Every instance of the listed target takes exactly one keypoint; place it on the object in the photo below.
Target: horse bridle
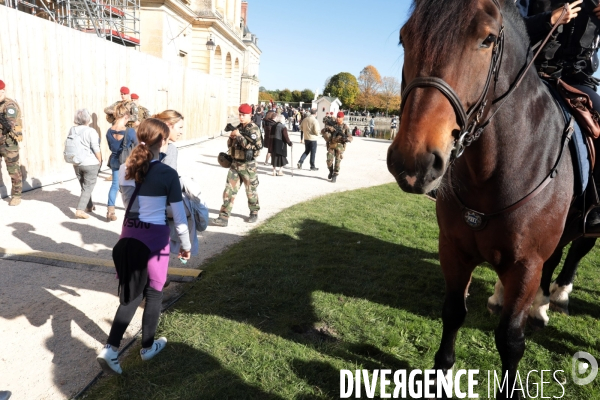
(469, 121)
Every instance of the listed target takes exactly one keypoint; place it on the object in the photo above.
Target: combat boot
(253, 218)
(110, 214)
(330, 173)
(15, 201)
(222, 222)
(333, 178)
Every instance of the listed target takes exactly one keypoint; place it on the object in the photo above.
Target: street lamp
(210, 43)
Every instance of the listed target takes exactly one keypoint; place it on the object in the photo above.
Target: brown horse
(468, 55)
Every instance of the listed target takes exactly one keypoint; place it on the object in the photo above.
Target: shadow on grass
(268, 279)
(159, 382)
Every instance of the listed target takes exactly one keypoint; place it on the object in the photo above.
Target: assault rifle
(338, 133)
(5, 125)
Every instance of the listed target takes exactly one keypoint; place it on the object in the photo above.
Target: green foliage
(286, 95)
(296, 96)
(344, 86)
(346, 281)
(308, 95)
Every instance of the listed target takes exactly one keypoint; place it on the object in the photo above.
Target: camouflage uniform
(131, 106)
(242, 170)
(143, 113)
(9, 144)
(335, 148)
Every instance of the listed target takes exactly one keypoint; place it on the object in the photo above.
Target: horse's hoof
(561, 308)
(494, 309)
(536, 323)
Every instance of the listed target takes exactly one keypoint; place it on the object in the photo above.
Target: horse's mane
(439, 27)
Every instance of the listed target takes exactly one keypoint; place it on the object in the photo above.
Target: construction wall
(52, 70)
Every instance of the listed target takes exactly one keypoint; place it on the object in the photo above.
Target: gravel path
(55, 316)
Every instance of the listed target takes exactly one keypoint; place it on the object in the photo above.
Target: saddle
(578, 105)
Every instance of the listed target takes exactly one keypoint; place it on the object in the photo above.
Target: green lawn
(345, 281)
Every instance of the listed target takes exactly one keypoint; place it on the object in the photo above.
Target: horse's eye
(401, 43)
(490, 40)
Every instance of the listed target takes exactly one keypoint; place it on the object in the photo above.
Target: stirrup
(595, 233)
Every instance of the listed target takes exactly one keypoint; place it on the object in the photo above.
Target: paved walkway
(57, 285)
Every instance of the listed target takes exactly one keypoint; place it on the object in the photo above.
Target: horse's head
(452, 40)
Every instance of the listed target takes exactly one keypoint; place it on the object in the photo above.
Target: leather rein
(469, 121)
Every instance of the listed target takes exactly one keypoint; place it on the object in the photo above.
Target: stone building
(211, 36)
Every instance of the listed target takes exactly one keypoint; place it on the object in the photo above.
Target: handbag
(581, 107)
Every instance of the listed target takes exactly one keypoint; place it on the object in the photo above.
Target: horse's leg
(521, 282)
(457, 275)
(538, 314)
(562, 287)
(495, 301)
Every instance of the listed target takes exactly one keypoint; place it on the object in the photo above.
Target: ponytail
(150, 134)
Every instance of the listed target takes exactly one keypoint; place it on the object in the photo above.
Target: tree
(343, 86)
(265, 96)
(262, 89)
(308, 95)
(286, 95)
(297, 96)
(390, 93)
(327, 81)
(369, 81)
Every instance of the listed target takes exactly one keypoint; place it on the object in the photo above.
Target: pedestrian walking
(268, 123)
(336, 145)
(244, 145)
(119, 137)
(12, 134)
(279, 142)
(141, 255)
(311, 128)
(174, 121)
(90, 160)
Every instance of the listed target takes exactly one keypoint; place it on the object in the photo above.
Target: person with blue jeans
(311, 128)
(115, 136)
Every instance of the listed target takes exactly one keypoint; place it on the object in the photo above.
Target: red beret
(2, 85)
(134, 96)
(245, 109)
(340, 114)
(124, 90)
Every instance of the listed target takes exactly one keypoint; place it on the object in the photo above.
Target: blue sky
(355, 34)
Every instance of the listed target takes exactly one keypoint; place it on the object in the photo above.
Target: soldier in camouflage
(143, 112)
(11, 130)
(131, 106)
(244, 144)
(336, 136)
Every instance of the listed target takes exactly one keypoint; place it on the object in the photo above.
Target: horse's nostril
(438, 161)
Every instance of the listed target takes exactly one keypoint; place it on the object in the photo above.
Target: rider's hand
(571, 14)
(597, 11)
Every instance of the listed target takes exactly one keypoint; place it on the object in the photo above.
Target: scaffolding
(114, 20)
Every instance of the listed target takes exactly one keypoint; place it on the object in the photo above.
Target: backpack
(199, 209)
(74, 152)
(126, 148)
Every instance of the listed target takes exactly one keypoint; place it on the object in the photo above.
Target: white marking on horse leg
(539, 308)
(411, 180)
(560, 294)
(496, 301)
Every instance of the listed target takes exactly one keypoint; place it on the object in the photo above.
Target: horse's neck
(525, 134)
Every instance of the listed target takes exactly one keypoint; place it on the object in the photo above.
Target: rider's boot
(592, 224)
